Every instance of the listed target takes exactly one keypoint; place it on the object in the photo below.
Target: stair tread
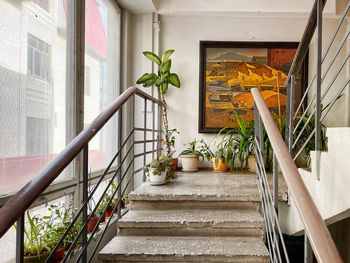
(200, 218)
(178, 248)
(203, 186)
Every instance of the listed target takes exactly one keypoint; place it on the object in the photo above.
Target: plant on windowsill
(36, 248)
(162, 81)
(191, 156)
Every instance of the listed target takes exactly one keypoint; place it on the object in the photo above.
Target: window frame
(75, 79)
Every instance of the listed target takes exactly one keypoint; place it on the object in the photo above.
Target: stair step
(194, 190)
(191, 222)
(184, 249)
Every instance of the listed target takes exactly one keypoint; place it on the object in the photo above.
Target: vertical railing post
(159, 127)
(275, 183)
(318, 87)
(153, 127)
(144, 138)
(258, 131)
(120, 139)
(308, 254)
(133, 142)
(85, 198)
(290, 114)
(20, 239)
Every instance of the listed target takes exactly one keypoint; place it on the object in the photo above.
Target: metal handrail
(321, 241)
(14, 208)
(305, 41)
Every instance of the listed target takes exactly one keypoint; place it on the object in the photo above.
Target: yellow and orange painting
(230, 73)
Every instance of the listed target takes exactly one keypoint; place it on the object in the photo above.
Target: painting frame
(204, 45)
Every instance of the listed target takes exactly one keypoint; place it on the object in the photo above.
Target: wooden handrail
(305, 41)
(317, 231)
(20, 202)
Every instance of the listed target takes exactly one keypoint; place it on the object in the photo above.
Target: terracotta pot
(122, 205)
(221, 165)
(58, 255)
(92, 223)
(189, 163)
(175, 162)
(103, 218)
(109, 213)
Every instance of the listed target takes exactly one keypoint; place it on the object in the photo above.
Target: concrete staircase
(199, 217)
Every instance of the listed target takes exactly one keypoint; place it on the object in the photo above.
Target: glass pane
(101, 59)
(33, 112)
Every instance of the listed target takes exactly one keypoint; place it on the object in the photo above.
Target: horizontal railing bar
(144, 153)
(336, 31)
(341, 44)
(21, 201)
(320, 238)
(304, 95)
(335, 99)
(322, 97)
(150, 130)
(92, 213)
(146, 141)
(138, 170)
(304, 127)
(88, 199)
(109, 220)
(305, 41)
(304, 145)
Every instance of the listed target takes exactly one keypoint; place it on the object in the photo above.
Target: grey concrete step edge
(181, 249)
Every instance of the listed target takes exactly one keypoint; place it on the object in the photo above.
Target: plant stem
(166, 124)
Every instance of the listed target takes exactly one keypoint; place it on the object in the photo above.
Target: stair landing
(198, 217)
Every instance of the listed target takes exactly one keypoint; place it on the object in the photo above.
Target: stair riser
(161, 205)
(185, 259)
(190, 231)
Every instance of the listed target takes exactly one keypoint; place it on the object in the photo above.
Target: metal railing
(310, 107)
(315, 228)
(123, 176)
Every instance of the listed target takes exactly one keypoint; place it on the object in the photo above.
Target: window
(44, 4)
(37, 136)
(87, 81)
(39, 63)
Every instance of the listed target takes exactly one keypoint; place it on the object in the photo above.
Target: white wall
(184, 33)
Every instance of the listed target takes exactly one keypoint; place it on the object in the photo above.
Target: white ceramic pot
(156, 179)
(189, 163)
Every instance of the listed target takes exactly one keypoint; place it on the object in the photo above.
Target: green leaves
(164, 77)
(153, 57)
(174, 80)
(167, 54)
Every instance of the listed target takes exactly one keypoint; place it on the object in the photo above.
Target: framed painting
(228, 70)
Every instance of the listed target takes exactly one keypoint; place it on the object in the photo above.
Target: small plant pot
(221, 166)
(189, 163)
(122, 205)
(92, 223)
(156, 179)
(109, 213)
(175, 162)
(58, 255)
(37, 259)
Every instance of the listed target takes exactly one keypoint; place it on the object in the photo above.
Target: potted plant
(162, 81)
(160, 170)
(36, 248)
(190, 157)
(240, 142)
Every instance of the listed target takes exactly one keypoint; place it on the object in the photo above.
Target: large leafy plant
(161, 81)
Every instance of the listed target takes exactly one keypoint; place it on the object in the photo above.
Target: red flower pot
(108, 213)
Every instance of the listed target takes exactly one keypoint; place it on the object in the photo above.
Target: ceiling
(225, 7)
